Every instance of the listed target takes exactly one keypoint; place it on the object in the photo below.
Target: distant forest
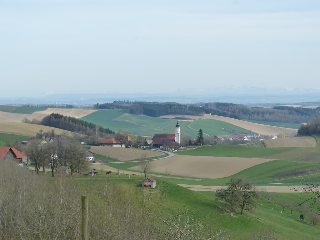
(275, 114)
(73, 124)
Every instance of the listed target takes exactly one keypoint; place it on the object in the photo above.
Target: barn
(149, 182)
(11, 153)
(110, 142)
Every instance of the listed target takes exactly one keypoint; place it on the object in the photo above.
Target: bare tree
(146, 167)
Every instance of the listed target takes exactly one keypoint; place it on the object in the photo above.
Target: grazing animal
(108, 172)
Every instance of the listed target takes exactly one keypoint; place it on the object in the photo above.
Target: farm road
(276, 189)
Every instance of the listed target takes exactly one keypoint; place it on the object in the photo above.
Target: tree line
(73, 124)
(237, 111)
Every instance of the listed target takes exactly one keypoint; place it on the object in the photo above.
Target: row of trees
(63, 152)
(73, 124)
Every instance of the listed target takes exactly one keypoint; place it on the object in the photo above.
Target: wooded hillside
(237, 111)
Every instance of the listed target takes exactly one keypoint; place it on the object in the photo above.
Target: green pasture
(5, 108)
(148, 126)
(278, 124)
(234, 151)
(24, 110)
(11, 138)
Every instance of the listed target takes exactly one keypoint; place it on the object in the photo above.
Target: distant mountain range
(252, 96)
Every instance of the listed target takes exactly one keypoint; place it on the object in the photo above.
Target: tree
(239, 194)
(75, 156)
(200, 140)
(36, 153)
(146, 167)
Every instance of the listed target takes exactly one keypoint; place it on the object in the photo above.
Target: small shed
(149, 182)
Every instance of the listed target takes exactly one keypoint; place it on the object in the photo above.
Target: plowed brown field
(292, 142)
(73, 112)
(204, 167)
(124, 154)
(26, 129)
(12, 117)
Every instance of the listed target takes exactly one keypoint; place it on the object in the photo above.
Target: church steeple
(177, 133)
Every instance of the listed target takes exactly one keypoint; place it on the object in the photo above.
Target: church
(167, 140)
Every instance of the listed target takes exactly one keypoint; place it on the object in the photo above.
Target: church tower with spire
(177, 133)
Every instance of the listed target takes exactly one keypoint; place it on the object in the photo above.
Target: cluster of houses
(241, 137)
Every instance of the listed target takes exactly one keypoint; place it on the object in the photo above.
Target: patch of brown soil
(292, 142)
(125, 154)
(203, 166)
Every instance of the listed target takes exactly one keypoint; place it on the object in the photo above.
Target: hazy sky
(96, 46)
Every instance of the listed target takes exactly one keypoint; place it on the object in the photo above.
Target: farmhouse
(11, 153)
(149, 182)
(110, 142)
(167, 140)
(90, 156)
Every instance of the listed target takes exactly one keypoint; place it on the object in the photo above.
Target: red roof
(17, 153)
(109, 141)
(150, 178)
(164, 136)
(4, 151)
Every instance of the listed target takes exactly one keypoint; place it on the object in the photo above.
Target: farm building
(110, 142)
(90, 156)
(11, 153)
(149, 182)
(171, 141)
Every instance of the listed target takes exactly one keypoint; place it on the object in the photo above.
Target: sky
(124, 46)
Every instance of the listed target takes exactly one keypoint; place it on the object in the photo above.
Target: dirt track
(204, 167)
(254, 127)
(277, 189)
(292, 142)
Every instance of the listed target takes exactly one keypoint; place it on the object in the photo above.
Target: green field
(148, 126)
(234, 151)
(278, 124)
(11, 138)
(24, 110)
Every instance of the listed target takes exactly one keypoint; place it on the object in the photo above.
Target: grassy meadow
(278, 124)
(234, 151)
(11, 138)
(23, 110)
(148, 126)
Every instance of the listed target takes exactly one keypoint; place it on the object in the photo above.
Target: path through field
(276, 189)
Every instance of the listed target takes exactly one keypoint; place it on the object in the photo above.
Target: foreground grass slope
(169, 199)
